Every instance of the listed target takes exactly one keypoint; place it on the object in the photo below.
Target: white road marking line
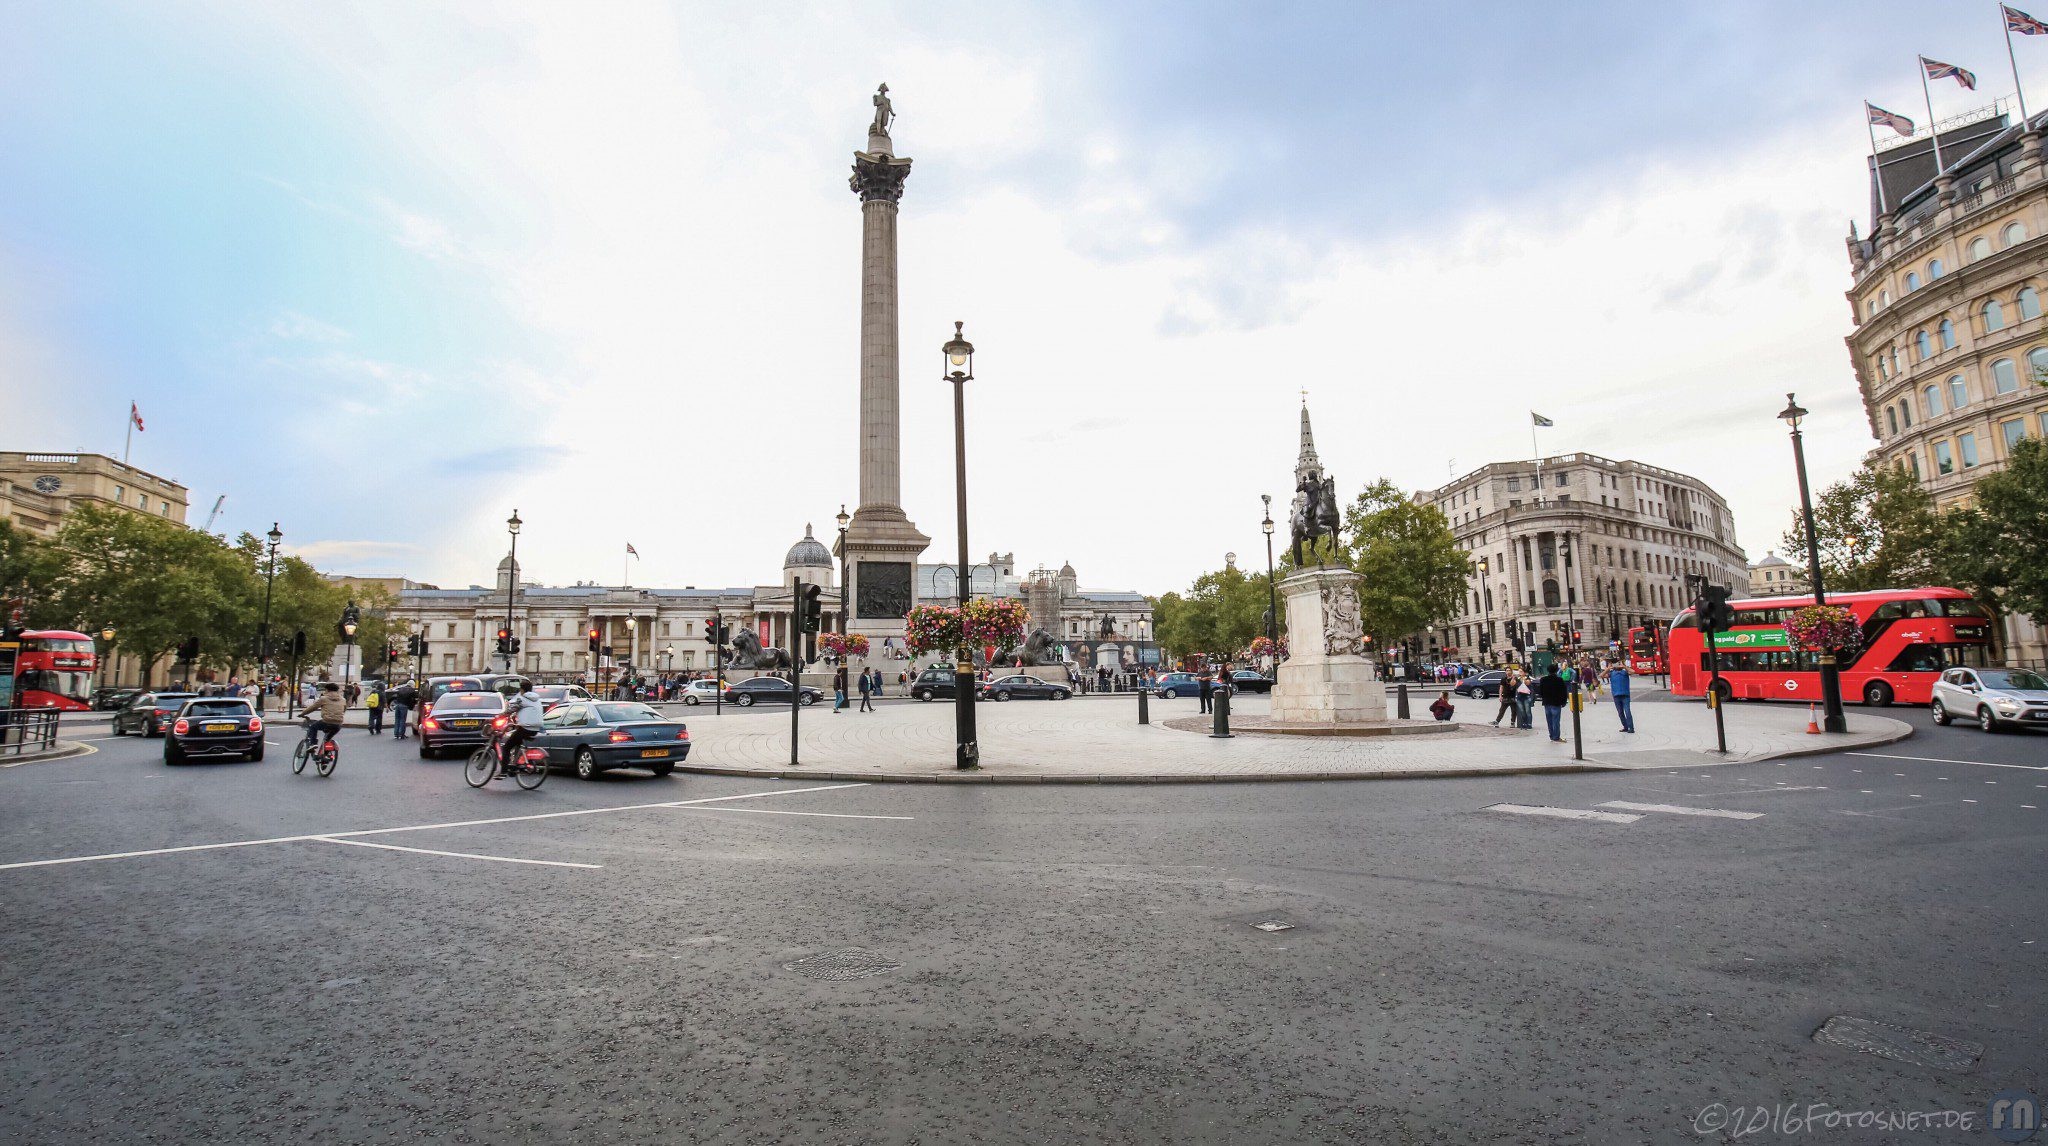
(1969, 801)
(1681, 810)
(1564, 813)
(2029, 807)
(1945, 760)
(1865, 791)
(417, 827)
(455, 855)
(827, 815)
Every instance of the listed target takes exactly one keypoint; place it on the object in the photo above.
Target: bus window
(1956, 608)
(1918, 658)
(1967, 656)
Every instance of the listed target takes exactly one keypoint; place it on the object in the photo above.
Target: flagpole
(1876, 175)
(1933, 130)
(2021, 92)
(130, 439)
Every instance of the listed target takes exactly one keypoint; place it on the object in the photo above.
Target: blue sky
(384, 272)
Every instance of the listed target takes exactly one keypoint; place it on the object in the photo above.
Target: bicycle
(324, 757)
(487, 764)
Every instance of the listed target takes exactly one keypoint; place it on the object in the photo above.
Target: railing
(24, 730)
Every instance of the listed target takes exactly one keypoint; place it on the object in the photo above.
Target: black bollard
(1219, 715)
(1401, 701)
(1144, 713)
(1578, 702)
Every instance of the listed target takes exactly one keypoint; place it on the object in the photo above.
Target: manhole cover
(1273, 925)
(1898, 1043)
(839, 966)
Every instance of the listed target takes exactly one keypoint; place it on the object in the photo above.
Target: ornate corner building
(1950, 348)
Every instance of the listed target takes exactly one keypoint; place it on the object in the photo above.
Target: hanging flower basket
(932, 629)
(1824, 629)
(1261, 647)
(840, 645)
(998, 623)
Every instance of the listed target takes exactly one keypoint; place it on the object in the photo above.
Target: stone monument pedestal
(1325, 678)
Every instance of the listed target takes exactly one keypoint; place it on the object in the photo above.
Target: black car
(461, 720)
(1485, 685)
(934, 683)
(596, 735)
(149, 713)
(499, 682)
(214, 726)
(767, 690)
(1245, 680)
(1025, 688)
(113, 699)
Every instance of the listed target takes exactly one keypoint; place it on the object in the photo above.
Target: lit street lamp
(512, 525)
(1832, 717)
(843, 520)
(107, 640)
(350, 619)
(959, 370)
(263, 631)
(1272, 598)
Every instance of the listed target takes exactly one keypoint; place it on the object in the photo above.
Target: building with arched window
(1950, 416)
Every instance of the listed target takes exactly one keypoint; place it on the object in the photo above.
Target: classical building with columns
(1950, 345)
(1633, 531)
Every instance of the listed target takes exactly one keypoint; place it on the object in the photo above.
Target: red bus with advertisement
(52, 668)
(1645, 652)
(1909, 637)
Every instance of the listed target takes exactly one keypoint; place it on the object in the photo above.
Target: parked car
(149, 713)
(113, 699)
(934, 683)
(768, 690)
(1024, 687)
(214, 726)
(1245, 680)
(1177, 684)
(699, 691)
(1994, 698)
(551, 695)
(597, 735)
(1485, 685)
(461, 720)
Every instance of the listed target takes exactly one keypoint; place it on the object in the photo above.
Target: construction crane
(212, 517)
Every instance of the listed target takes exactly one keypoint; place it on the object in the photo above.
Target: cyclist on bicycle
(527, 711)
(325, 713)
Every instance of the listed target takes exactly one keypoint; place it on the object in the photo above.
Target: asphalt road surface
(694, 959)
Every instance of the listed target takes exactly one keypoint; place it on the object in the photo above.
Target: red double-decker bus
(1645, 652)
(1909, 637)
(52, 668)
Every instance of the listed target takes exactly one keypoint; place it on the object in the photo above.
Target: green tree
(1218, 617)
(27, 567)
(2000, 543)
(1876, 530)
(1411, 572)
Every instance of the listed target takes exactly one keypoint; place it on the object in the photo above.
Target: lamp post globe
(958, 368)
(1833, 719)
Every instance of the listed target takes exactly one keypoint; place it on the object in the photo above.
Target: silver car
(1993, 698)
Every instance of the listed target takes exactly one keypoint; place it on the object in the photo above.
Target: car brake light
(255, 724)
(431, 725)
(619, 736)
(182, 727)
(684, 734)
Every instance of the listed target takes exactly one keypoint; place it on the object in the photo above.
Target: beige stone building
(1776, 577)
(1950, 347)
(1634, 531)
(37, 490)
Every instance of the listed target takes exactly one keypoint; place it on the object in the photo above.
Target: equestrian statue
(1314, 515)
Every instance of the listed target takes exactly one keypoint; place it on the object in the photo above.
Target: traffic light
(1578, 636)
(1714, 611)
(593, 642)
(390, 654)
(299, 643)
(812, 611)
(188, 651)
(504, 641)
(516, 643)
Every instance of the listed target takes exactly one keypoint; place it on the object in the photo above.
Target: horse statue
(748, 653)
(1314, 515)
(1039, 649)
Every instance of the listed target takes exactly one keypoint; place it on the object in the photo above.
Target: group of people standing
(1520, 693)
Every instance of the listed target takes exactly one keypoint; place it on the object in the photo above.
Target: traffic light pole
(1713, 682)
(796, 677)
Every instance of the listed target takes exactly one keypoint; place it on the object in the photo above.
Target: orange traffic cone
(1812, 721)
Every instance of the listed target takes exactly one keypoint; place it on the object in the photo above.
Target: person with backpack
(1508, 684)
(374, 702)
(403, 698)
(1554, 691)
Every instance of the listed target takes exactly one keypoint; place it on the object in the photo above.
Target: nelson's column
(882, 545)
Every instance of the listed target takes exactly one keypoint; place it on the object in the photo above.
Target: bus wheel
(1877, 694)
(1722, 691)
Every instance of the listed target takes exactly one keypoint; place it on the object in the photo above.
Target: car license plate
(652, 753)
(465, 724)
(218, 727)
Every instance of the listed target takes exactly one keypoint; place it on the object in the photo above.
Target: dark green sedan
(593, 736)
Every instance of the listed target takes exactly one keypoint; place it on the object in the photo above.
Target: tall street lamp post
(512, 525)
(107, 642)
(959, 370)
(350, 618)
(1485, 641)
(1272, 597)
(263, 631)
(1833, 719)
(843, 521)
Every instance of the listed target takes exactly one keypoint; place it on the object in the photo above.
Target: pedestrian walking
(1554, 692)
(838, 689)
(1618, 686)
(1207, 690)
(867, 690)
(402, 700)
(374, 702)
(1507, 699)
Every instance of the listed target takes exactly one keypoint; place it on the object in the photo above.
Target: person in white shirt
(527, 714)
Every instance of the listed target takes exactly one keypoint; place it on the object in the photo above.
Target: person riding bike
(325, 713)
(527, 711)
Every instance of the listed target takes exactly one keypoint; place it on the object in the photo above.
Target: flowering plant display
(995, 622)
(843, 645)
(1824, 629)
(1262, 647)
(931, 629)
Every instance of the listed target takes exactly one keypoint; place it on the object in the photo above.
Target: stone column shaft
(881, 482)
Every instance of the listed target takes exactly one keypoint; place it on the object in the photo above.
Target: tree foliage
(1411, 572)
(1999, 544)
(1218, 616)
(1876, 530)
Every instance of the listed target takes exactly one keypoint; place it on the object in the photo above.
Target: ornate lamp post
(1272, 598)
(512, 525)
(959, 370)
(107, 640)
(350, 618)
(1832, 717)
(263, 630)
(843, 520)
(1485, 612)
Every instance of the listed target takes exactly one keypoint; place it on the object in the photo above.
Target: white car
(1991, 697)
(699, 692)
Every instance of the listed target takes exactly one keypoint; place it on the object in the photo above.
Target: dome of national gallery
(810, 553)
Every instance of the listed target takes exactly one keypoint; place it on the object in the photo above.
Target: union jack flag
(1936, 70)
(2025, 25)
(1891, 119)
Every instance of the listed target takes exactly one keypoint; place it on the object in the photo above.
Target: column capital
(878, 177)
